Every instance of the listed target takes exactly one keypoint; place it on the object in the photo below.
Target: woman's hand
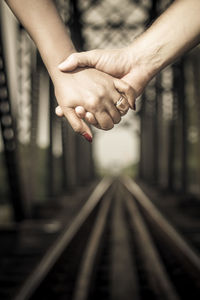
(97, 92)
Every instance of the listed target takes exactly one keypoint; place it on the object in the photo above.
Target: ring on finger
(122, 105)
(119, 101)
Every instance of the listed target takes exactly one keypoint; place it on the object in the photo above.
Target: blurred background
(159, 143)
(42, 161)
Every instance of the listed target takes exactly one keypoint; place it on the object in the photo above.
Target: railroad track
(118, 247)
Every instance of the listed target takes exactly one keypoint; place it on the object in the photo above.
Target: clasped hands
(97, 86)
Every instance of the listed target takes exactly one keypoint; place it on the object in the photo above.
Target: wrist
(146, 56)
(145, 60)
(54, 55)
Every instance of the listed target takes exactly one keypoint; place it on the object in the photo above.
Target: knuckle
(74, 56)
(101, 92)
(93, 103)
(107, 126)
(127, 89)
(94, 51)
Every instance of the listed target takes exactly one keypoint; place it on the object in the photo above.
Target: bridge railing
(41, 156)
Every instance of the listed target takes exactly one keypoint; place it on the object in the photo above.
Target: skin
(176, 31)
(88, 88)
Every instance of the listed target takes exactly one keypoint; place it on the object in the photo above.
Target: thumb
(77, 124)
(82, 59)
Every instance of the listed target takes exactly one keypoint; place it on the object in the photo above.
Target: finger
(122, 105)
(82, 59)
(77, 124)
(90, 118)
(113, 112)
(127, 90)
(59, 111)
(123, 112)
(104, 120)
(80, 111)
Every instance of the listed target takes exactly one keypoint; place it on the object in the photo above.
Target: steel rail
(157, 274)
(84, 279)
(123, 271)
(186, 253)
(62, 242)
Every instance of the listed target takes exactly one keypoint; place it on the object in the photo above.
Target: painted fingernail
(87, 137)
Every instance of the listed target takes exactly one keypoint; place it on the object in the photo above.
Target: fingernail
(59, 111)
(87, 137)
(62, 65)
(65, 63)
(134, 106)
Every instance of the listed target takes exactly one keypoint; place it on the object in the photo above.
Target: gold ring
(121, 106)
(119, 101)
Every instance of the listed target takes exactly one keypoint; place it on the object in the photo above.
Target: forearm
(42, 21)
(171, 35)
(86, 87)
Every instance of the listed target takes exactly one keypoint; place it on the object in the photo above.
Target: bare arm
(43, 23)
(95, 91)
(176, 31)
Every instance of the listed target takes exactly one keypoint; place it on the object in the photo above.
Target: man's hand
(120, 63)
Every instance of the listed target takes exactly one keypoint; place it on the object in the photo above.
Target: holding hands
(100, 85)
(118, 63)
(92, 95)
(112, 62)
(153, 50)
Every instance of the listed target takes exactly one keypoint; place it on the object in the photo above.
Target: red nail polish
(87, 137)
